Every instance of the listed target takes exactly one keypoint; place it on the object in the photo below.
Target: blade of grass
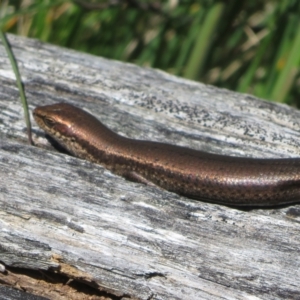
(247, 78)
(203, 42)
(19, 83)
(287, 75)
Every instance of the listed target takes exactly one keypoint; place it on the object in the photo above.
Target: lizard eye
(49, 122)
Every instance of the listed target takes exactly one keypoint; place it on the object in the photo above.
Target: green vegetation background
(245, 46)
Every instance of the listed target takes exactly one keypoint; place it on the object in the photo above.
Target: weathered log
(63, 215)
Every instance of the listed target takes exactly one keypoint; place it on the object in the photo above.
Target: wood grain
(65, 215)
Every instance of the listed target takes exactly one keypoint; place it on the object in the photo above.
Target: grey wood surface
(67, 215)
(8, 293)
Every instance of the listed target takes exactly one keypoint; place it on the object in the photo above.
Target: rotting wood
(65, 215)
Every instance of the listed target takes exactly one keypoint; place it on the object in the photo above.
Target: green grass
(15, 68)
(246, 46)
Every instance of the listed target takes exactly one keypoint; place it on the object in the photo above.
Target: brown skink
(234, 181)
